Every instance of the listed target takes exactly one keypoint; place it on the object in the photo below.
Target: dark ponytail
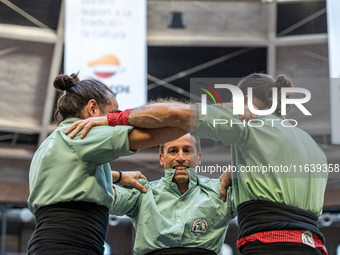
(282, 82)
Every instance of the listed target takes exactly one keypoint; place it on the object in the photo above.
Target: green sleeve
(127, 201)
(227, 207)
(102, 144)
(229, 133)
(232, 212)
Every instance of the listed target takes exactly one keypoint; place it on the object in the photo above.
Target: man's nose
(180, 156)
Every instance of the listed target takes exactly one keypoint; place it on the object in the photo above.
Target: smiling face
(180, 154)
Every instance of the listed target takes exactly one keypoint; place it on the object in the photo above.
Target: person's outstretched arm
(151, 116)
(140, 138)
(159, 115)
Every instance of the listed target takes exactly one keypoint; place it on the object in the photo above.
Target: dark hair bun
(282, 81)
(64, 82)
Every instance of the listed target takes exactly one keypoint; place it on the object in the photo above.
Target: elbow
(178, 114)
(173, 113)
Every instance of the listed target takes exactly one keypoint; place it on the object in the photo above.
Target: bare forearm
(115, 176)
(176, 115)
(165, 115)
(140, 138)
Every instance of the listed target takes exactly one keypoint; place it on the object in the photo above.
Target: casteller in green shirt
(271, 146)
(65, 169)
(163, 218)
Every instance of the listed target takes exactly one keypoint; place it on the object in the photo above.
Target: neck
(182, 187)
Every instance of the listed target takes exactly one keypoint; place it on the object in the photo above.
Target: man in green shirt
(181, 212)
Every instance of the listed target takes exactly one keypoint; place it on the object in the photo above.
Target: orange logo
(105, 66)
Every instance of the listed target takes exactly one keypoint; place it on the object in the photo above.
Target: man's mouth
(180, 167)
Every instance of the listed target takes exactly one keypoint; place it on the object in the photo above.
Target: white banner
(333, 26)
(106, 40)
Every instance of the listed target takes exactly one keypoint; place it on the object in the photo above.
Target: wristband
(119, 178)
(119, 118)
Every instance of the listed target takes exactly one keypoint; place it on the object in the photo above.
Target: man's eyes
(175, 151)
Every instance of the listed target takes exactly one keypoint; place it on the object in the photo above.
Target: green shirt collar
(169, 174)
(69, 121)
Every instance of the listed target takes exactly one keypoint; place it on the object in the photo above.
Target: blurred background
(184, 39)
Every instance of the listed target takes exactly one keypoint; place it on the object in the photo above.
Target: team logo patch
(307, 238)
(199, 226)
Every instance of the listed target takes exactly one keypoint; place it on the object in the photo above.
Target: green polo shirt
(271, 145)
(164, 218)
(65, 169)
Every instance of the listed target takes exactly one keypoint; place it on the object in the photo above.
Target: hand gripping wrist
(119, 118)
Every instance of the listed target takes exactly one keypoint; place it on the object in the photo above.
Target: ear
(199, 159)
(161, 159)
(92, 107)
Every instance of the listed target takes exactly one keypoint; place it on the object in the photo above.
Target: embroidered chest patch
(199, 226)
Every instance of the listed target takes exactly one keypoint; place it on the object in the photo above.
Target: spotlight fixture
(176, 20)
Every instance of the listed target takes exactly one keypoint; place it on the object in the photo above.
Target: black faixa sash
(69, 228)
(259, 216)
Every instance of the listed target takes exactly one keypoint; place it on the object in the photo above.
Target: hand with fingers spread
(130, 178)
(86, 125)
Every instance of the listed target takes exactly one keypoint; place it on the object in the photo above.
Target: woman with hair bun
(71, 180)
